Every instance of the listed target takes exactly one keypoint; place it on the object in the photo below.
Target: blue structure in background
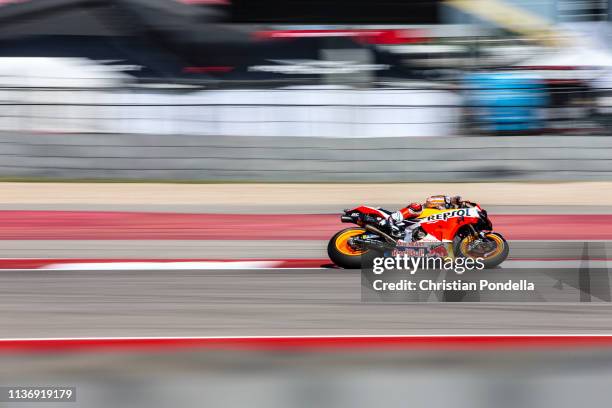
(505, 101)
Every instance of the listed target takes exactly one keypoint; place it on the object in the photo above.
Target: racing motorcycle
(468, 232)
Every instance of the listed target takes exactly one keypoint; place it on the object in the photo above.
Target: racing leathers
(400, 223)
(401, 220)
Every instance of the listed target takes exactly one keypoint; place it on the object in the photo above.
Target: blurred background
(217, 90)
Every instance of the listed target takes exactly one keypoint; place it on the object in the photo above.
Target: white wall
(290, 112)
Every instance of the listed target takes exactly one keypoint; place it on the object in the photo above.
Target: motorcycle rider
(405, 218)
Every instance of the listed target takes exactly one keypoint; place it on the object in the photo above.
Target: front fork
(480, 237)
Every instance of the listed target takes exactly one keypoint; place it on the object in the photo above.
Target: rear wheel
(343, 252)
(493, 249)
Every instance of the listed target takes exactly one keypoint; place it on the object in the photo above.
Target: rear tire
(341, 253)
(500, 255)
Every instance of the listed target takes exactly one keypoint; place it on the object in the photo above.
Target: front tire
(491, 258)
(342, 253)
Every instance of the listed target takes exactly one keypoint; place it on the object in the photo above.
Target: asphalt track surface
(254, 249)
(53, 303)
(251, 302)
(254, 302)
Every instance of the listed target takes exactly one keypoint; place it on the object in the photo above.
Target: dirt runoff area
(578, 193)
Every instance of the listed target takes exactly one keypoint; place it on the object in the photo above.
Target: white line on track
(164, 265)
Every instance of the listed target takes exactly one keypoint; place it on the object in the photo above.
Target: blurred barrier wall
(321, 112)
(219, 158)
(561, 378)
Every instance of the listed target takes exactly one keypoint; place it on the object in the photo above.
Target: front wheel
(493, 249)
(341, 250)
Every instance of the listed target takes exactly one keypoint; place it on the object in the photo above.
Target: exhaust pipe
(375, 230)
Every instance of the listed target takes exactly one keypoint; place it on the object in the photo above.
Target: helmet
(455, 201)
(415, 208)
